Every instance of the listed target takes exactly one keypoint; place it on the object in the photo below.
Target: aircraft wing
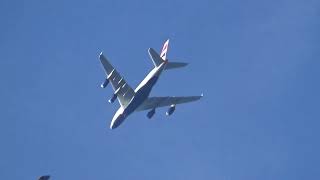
(156, 102)
(121, 88)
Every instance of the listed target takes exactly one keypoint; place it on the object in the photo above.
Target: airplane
(44, 177)
(138, 99)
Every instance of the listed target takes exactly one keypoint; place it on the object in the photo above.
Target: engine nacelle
(151, 113)
(105, 83)
(113, 98)
(171, 110)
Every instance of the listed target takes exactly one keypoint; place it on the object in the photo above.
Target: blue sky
(257, 62)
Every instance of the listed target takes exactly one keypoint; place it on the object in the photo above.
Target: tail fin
(158, 59)
(164, 50)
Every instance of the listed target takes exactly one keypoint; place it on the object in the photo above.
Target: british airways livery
(138, 100)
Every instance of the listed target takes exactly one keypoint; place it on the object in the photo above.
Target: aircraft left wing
(156, 102)
(121, 88)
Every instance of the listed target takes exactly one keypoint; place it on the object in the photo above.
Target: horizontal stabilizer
(173, 65)
(155, 57)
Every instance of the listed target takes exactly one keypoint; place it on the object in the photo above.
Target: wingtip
(201, 95)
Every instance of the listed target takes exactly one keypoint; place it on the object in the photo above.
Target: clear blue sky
(256, 61)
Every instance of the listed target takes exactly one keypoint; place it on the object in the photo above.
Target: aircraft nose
(112, 126)
(115, 123)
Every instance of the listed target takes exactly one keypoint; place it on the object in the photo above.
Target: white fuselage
(141, 94)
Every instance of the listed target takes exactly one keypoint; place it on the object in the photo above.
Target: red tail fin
(164, 50)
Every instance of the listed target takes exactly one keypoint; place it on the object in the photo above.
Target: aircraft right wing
(122, 89)
(156, 102)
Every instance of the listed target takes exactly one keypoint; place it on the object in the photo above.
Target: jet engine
(113, 98)
(151, 113)
(171, 110)
(105, 83)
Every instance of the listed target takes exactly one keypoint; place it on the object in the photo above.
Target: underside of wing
(121, 88)
(156, 102)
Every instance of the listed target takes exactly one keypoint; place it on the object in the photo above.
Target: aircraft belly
(141, 95)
